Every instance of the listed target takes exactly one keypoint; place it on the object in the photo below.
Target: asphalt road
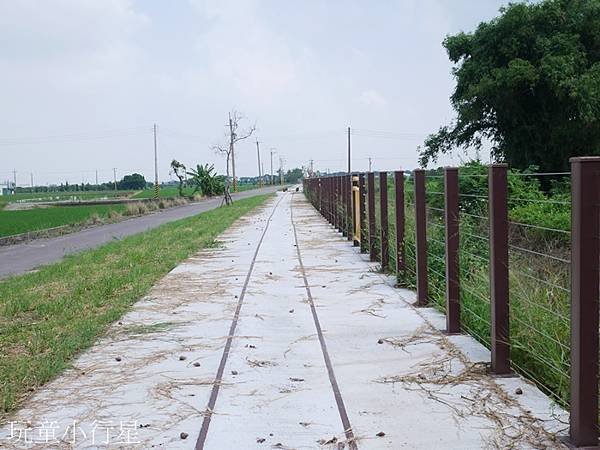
(21, 258)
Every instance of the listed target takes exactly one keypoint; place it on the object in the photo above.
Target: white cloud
(294, 68)
(371, 97)
(69, 41)
(243, 52)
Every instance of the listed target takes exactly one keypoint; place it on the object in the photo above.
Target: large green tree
(133, 181)
(528, 81)
(293, 176)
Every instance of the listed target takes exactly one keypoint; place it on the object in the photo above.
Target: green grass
(22, 221)
(50, 316)
(539, 300)
(52, 196)
(538, 286)
(539, 295)
(246, 187)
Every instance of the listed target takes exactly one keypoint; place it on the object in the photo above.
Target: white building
(6, 189)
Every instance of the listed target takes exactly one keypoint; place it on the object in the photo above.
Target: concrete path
(285, 337)
(19, 258)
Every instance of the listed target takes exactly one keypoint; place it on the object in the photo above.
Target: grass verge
(48, 317)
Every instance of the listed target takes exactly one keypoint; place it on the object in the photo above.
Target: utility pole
(231, 151)
(115, 176)
(369, 163)
(311, 168)
(31, 175)
(260, 180)
(14, 181)
(348, 149)
(96, 178)
(155, 165)
(273, 148)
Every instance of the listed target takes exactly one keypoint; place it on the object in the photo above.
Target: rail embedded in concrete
(584, 262)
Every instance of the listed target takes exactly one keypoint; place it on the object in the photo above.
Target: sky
(83, 81)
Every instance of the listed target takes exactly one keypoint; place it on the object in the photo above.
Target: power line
(182, 135)
(75, 137)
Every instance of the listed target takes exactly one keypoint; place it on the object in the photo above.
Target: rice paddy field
(23, 221)
(55, 196)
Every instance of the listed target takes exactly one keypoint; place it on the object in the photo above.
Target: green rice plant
(35, 219)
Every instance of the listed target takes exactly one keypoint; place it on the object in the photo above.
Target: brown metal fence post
(372, 224)
(345, 209)
(335, 202)
(349, 215)
(327, 199)
(355, 199)
(332, 204)
(585, 229)
(363, 212)
(452, 240)
(421, 237)
(340, 205)
(399, 215)
(500, 329)
(344, 216)
(331, 201)
(319, 194)
(383, 210)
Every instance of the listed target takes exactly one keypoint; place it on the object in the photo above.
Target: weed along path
(20, 258)
(282, 337)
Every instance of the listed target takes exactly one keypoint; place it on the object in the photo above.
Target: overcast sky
(82, 82)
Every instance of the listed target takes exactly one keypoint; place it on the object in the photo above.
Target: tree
(234, 137)
(293, 176)
(529, 82)
(133, 181)
(206, 181)
(180, 172)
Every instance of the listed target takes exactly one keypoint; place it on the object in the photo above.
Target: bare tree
(235, 135)
(180, 172)
(225, 151)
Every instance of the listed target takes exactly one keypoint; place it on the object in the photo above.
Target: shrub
(94, 219)
(114, 215)
(135, 209)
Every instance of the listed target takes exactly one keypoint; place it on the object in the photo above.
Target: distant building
(6, 188)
